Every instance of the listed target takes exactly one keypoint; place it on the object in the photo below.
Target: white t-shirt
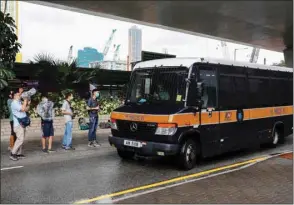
(66, 108)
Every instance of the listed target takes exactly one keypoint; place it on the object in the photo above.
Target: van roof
(188, 62)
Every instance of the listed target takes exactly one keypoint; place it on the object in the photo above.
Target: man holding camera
(93, 109)
(20, 121)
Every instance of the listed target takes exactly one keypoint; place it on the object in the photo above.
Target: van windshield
(157, 86)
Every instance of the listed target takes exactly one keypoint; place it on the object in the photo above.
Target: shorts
(47, 128)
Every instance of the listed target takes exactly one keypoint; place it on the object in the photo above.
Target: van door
(209, 118)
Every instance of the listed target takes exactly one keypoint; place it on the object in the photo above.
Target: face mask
(97, 95)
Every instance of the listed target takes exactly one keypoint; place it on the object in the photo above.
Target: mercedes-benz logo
(133, 127)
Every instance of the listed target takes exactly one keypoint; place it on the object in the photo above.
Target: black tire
(276, 139)
(125, 154)
(188, 154)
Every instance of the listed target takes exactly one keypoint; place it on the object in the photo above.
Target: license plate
(132, 143)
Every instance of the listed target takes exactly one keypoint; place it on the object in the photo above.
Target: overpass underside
(264, 24)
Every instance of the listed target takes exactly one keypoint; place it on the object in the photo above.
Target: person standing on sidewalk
(12, 134)
(68, 113)
(93, 109)
(20, 121)
(46, 111)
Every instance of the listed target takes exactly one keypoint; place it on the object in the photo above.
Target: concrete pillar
(288, 55)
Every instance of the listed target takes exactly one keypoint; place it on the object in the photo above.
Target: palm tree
(44, 59)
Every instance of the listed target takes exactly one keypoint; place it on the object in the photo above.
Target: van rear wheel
(187, 155)
(125, 154)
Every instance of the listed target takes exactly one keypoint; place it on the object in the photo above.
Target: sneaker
(45, 150)
(69, 148)
(96, 144)
(90, 144)
(51, 150)
(20, 156)
(13, 157)
(63, 146)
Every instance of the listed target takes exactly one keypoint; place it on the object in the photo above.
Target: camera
(73, 114)
(28, 94)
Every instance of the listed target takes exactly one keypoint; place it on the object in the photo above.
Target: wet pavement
(70, 176)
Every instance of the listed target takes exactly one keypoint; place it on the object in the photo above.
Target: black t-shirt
(92, 103)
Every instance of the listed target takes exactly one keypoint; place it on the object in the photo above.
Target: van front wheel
(187, 155)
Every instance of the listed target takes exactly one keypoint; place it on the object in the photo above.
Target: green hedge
(79, 104)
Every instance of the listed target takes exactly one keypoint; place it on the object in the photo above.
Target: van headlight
(113, 124)
(166, 129)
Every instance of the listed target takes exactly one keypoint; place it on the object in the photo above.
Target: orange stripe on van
(260, 113)
(228, 116)
(246, 114)
(140, 117)
(190, 119)
(210, 119)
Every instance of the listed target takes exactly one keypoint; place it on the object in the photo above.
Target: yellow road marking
(169, 181)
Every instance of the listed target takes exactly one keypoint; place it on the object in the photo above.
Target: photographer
(93, 108)
(20, 122)
(68, 117)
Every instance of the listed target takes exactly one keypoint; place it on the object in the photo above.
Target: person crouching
(46, 112)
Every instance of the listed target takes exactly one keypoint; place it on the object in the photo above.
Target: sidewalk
(33, 149)
(58, 135)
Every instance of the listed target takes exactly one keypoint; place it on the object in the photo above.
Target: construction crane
(108, 43)
(225, 50)
(254, 55)
(69, 57)
(115, 57)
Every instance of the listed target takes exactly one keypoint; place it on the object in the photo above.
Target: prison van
(191, 108)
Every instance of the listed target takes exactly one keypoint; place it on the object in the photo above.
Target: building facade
(88, 55)
(110, 65)
(135, 44)
(12, 7)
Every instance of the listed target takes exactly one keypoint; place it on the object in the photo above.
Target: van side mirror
(199, 89)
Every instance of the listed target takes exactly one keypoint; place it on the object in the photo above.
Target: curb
(33, 136)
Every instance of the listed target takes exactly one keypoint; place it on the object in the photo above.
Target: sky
(51, 30)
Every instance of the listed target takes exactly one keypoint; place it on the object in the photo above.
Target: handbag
(24, 122)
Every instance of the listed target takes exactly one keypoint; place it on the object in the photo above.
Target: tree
(60, 73)
(9, 47)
